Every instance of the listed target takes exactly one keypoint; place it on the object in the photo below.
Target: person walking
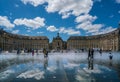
(110, 56)
(33, 52)
(100, 51)
(45, 52)
(89, 53)
(92, 53)
(0, 50)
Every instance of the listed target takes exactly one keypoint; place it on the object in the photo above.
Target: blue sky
(68, 17)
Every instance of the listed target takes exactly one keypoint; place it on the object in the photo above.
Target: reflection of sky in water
(62, 68)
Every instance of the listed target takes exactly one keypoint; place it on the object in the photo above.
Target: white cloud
(35, 3)
(64, 7)
(69, 7)
(5, 22)
(16, 5)
(33, 23)
(85, 23)
(94, 28)
(84, 18)
(111, 16)
(97, 0)
(40, 32)
(119, 12)
(118, 1)
(15, 31)
(68, 31)
(52, 28)
(28, 30)
(105, 30)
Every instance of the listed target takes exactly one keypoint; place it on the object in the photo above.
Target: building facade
(58, 43)
(108, 41)
(10, 41)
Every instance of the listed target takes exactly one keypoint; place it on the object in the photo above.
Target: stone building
(10, 41)
(58, 43)
(108, 41)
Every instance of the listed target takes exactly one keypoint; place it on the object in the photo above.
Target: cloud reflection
(52, 69)
(6, 74)
(36, 74)
(71, 65)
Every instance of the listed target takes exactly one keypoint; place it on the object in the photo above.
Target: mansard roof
(23, 36)
(115, 32)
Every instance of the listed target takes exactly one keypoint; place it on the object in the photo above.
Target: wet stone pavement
(60, 67)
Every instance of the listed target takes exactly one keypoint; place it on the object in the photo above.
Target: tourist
(89, 53)
(100, 51)
(92, 53)
(18, 51)
(37, 51)
(33, 52)
(45, 52)
(110, 56)
(0, 50)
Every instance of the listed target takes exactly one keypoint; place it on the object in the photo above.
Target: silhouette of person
(33, 52)
(89, 53)
(92, 53)
(45, 52)
(0, 50)
(110, 56)
(100, 51)
(18, 51)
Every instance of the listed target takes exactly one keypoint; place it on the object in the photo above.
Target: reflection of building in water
(90, 64)
(45, 63)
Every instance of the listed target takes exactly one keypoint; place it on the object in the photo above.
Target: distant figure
(82, 50)
(100, 51)
(111, 56)
(18, 51)
(45, 52)
(33, 52)
(89, 53)
(37, 51)
(0, 50)
(92, 53)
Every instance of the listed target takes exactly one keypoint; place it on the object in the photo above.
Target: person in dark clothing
(18, 51)
(89, 53)
(100, 51)
(33, 52)
(111, 56)
(45, 52)
(0, 50)
(92, 53)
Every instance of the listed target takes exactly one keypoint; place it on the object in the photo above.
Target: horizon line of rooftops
(116, 31)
